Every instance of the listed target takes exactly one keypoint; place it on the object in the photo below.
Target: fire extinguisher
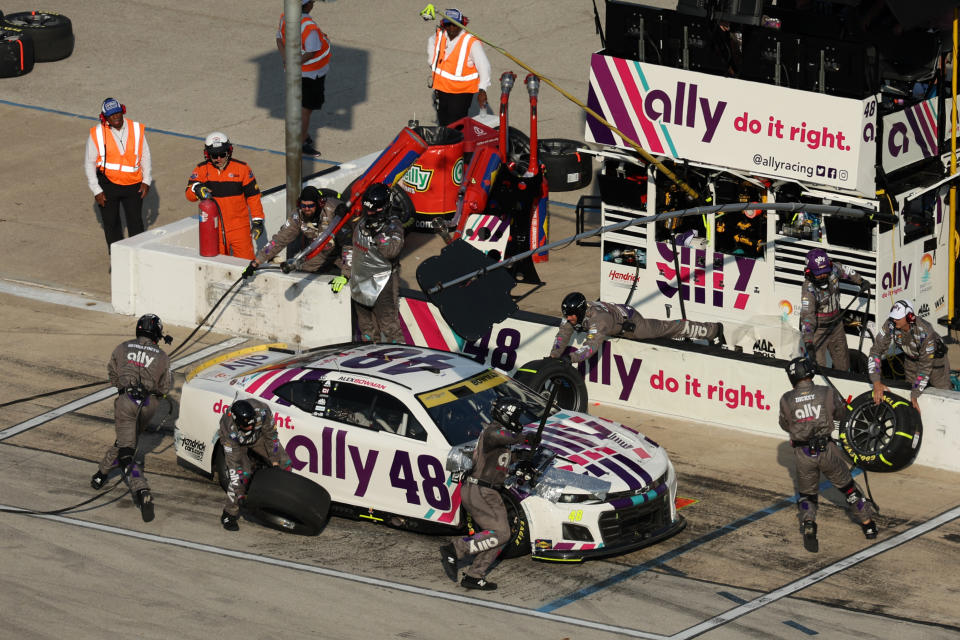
(210, 227)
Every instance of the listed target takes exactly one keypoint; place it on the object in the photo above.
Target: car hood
(605, 450)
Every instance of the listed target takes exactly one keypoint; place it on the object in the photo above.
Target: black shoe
(98, 480)
(145, 502)
(229, 522)
(448, 557)
(810, 542)
(720, 340)
(469, 582)
(869, 529)
(309, 150)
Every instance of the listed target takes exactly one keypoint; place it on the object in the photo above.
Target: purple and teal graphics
(703, 281)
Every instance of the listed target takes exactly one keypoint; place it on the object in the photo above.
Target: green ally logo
(419, 179)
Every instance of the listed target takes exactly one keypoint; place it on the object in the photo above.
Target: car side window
(370, 409)
(303, 394)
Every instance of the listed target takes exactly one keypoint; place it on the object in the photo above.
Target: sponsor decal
(246, 361)
(924, 310)
(765, 348)
(221, 407)
(730, 396)
(457, 173)
(807, 412)
(543, 543)
(786, 310)
(419, 178)
(139, 358)
(697, 277)
(192, 448)
(896, 280)
(483, 545)
(940, 302)
(362, 382)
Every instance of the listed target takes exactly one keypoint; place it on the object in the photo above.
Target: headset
(103, 118)
(911, 317)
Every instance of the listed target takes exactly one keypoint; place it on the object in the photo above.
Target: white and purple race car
(387, 430)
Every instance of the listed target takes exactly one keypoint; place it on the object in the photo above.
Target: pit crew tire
(541, 375)
(519, 544)
(287, 502)
(402, 206)
(858, 362)
(220, 467)
(884, 437)
(52, 33)
(16, 52)
(518, 145)
(566, 169)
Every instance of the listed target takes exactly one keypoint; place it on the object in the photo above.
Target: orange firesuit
(236, 191)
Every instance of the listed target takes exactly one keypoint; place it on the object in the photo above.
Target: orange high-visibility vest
(307, 26)
(117, 167)
(455, 73)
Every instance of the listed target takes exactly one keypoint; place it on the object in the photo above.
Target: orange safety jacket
(119, 168)
(456, 73)
(234, 188)
(307, 26)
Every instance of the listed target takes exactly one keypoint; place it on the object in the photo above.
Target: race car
(387, 431)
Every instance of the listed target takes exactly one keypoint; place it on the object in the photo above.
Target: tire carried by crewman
(16, 52)
(52, 33)
(519, 544)
(540, 375)
(401, 206)
(566, 168)
(287, 502)
(881, 437)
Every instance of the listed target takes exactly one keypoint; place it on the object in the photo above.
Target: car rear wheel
(884, 437)
(287, 502)
(541, 376)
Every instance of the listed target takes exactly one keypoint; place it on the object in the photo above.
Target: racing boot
(98, 480)
(448, 558)
(145, 501)
(469, 582)
(869, 529)
(810, 542)
(229, 522)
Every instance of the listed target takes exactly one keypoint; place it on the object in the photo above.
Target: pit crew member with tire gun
(925, 355)
(480, 493)
(140, 370)
(371, 262)
(231, 183)
(603, 320)
(807, 413)
(821, 317)
(247, 428)
(311, 218)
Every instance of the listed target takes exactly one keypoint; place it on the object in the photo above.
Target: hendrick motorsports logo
(193, 448)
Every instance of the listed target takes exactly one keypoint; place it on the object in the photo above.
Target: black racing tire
(287, 502)
(858, 362)
(52, 33)
(402, 206)
(17, 53)
(541, 375)
(566, 169)
(884, 437)
(518, 145)
(220, 467)
(519, 544)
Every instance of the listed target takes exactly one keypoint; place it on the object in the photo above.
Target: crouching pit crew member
(807, 414)
(480, 493)
(371, 262)
(140, 370)
(925, 355)
(604, 320)
(247, 428)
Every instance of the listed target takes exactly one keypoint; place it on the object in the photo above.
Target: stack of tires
(27, 37)
(565, 168)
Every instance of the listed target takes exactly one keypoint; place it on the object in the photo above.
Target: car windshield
(461, 410)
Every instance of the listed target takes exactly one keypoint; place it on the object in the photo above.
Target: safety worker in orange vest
(314, 65)
(460, 69)
(118, 169)
(231, 183)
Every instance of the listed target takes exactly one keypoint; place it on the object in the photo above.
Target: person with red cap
(821, 317)
(459, 69)
(118, 168)
(925, 355)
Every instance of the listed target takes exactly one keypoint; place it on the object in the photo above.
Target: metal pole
(952, 245)
(294, 106)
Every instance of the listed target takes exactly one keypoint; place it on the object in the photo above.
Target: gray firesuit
(295, 225)
(820, 318)
(237, 456)
(481, 498)
(603, 320)
(140, 370)
(924, 354)
(372, 263)
(807, 413)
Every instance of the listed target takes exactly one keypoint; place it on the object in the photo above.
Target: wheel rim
(33, 20)
(870, 429)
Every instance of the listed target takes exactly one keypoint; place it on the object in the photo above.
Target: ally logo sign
(698, 277)
(418, 177)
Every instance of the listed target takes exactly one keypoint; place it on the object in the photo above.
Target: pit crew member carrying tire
(311, 218)
(140, 370)
(480, 493)
(807, 413)
(247, 428)
(231, 183)
(603, 320)
(371, 262)
(821, 318)
(925, 355)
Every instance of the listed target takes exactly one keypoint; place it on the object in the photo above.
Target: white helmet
(217, 143)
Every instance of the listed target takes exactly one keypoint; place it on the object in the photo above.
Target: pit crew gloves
(337, 283)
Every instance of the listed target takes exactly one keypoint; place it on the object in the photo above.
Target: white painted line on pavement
(342, 575)
(110, 391)
(841, 565)
(53, 296)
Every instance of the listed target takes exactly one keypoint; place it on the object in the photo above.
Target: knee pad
(853, 495)
(125, 456)
(808, 501)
